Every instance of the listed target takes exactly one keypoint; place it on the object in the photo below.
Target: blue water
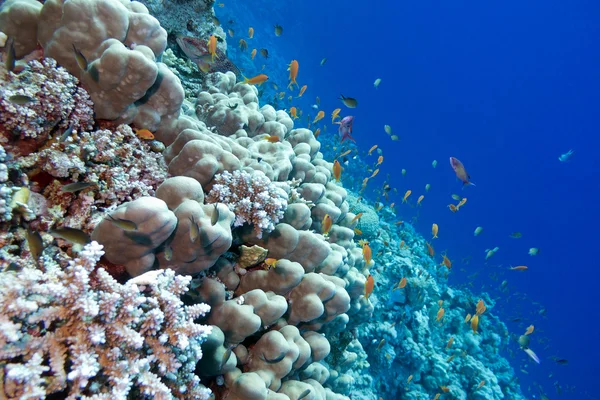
(506, 87)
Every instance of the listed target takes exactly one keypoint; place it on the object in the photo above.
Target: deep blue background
(505, 87)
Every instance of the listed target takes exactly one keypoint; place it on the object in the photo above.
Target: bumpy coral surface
(252, 197)
(74, 330)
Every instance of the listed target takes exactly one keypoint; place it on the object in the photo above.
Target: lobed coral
(252, 197)
(74, 330)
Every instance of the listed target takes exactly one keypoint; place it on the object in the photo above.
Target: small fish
(124, 224)
(243, 45)
(446, 262)
(449, 359)
(72, 235)
(480, 307)
(212, 46)
(278, 30)
(440, 314)
(531, 354)
(430, 249)
(317, 132)
(21, 99)
(561, 361)
(144, 134)
(356, 217)
(256, 80)
(264, 53)
(271, 262)
(319, 116)
(460, 171)
(372, 149)
(337, 170)
(394, 138)
(216, 21)
(335, 114)
(516, 235)
(272, 138)
(348, 101)
(534, 251)
(387, 129)
(76, 187)
(474, 323)
(480, 385)
(434, 230)
(293, 67)
(215, 215)
(529, 330)
(36, 244)
(345, 129)
(377, 82)
(456, 197)
(194, 230)
(231, 32)
(420, 199)
(273, 360)
(410, 377)
(80, 58)
(326, 224)
(434, 163)
(367, 253)
(427, 187)
(369, 285)
(253, 54)
(303, 394)
(449, 344)
(225, 357)
(11, 57)
(519, 268)
(251, 32)
(478, 231)
(381, 343)
(566, 156)
(402, 283)
(302, 90)
(437, 396)
(467, 318)
(357, 231)
(406, 195)
(452, 207)
(403, 172)
(379, 160)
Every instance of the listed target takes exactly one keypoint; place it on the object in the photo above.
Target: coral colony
(158, 248)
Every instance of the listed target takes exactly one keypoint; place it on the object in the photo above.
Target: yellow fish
(369, 285)
(434, 230)
(367, 254)
(529, 330)
(420, 199)
(372, 149)
(302, 90)
(335, 114)
(212, 47)
(449, 344)
(440, 314)
(337, 170)
(379, 160)
(253, 54)
(251, 32)
(319, 116)
(326, 224)
(408, 192)
(475, 323)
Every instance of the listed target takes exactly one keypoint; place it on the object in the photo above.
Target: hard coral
(252, 197)
(56, 101)
(74, 330)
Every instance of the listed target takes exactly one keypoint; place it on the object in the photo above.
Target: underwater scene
(312, 200)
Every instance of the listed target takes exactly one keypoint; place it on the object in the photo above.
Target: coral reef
(74, 330)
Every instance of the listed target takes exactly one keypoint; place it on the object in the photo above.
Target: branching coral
(56, 100)
(77, 331)
(252, 197)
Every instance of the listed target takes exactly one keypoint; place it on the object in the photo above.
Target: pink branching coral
(76, 331)
(56, 101)
(252, 197)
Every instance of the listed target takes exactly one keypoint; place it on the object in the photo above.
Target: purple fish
(461, 172)
(345, 130)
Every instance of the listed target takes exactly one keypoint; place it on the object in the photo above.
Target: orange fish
(293, 68)
(452, 207)
(357, 231)
(272, 139)
(144, 134)
(372, 149)
(256, 80)
(243, 45)
(302, 90)
(367, 253)
(293, 112)
(480, 385)
(450, 358)
(337, 170)
(369, 285)
(449, 344)
(319, 116)
(409, 379)
(440, 303)
(475, 323)
(251, 32)
(480, 308)
(374, 174)
(317, 133)
(253, 54)
(326, 224)
(440, 314)
(467, 318)
(379, 160)
(437, 396)
(446, 261)
(519, 268)
(402, 283)
(335, 114)
(434, 230)
(271, 262)
(408, 192)
(420, 199)
(212, 47)
(430, 249)
(529, 330)
(346, 153)
(461, 203)
(401, 244)
(356, 217)
(398, 223)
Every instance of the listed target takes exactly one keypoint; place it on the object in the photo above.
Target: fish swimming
(345, 130)
(461, 172)
(566, 156)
